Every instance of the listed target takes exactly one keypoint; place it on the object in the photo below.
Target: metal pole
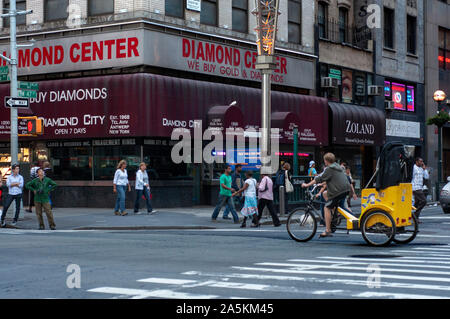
(295, 151)
(266, 115)
(439, 154)
(14, 124)
(281, 199)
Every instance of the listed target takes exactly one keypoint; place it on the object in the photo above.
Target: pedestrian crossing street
(401, 272)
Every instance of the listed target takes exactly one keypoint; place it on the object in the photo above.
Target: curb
(146, 228)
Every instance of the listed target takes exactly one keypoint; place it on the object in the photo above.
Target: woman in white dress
(250, 208)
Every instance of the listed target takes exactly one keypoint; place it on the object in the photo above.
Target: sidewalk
(198, 217)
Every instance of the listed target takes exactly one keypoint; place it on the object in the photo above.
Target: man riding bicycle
(338, 188)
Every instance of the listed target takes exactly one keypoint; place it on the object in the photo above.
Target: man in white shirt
(420, 173)
(15, 186)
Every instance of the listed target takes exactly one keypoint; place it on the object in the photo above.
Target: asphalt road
(223, 263)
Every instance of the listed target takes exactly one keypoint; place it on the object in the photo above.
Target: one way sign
(17, 102)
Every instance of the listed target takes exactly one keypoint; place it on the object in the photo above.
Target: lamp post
(266, 12)
(439, 96)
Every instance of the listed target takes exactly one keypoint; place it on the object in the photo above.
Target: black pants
(269, 203)
(8, 203)
(420, 200)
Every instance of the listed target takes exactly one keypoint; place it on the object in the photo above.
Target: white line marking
(327, 292)
(332, 267)
(370, 294)
(398, 285)
(369, 263)
(435, 217)
(411, 259)
(347, 274)
(142, 293)
(167, 281)
(441, 249)
(424, 252)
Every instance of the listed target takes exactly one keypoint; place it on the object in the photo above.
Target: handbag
(289, 187)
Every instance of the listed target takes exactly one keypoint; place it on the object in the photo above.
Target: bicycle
(302, 221)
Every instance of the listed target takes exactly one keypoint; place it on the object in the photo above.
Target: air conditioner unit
(448, 102)
(389, 105)
(375, 90)
(330, 82)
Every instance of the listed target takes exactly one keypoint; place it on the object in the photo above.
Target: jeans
(120, 202)
(238, 204)
(146, 193)
(228, 201)
(8, 203)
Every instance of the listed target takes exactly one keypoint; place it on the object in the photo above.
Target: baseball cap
(311, 163)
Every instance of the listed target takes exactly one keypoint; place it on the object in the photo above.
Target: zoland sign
(145, 47)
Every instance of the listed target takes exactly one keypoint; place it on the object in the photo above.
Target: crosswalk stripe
(167, 281)
(412, 259)
(442, 249)
(369, 263)
(332, 267)
(371, 294)
(347, 274)
(142, 293)
(397, 285)
(424, 252)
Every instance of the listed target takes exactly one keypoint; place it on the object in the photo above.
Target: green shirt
(42, 189)
(226, 180)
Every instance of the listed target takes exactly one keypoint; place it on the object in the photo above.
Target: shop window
(21, 5)
(74, 163)
(347, 86)
(360, 88)
(174, 8)
(294, 21)
(208, 14)
(56, 10)
(322, 19)
(343, 25)
(403, 95)
(389, 28)
(106, 160)
(160, 165)
(240, 16)
(444, 49)
(411, 34)
(99, 7)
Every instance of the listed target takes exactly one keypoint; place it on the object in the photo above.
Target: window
(208, 15)
(343, 25)
(444, 49)
(294, 21)
(21, 5)
(240, 16)
(322, 20)
(56, 10)
(160, 165)
(411, 34)
(74, 163)
(107, 158)
(99, 7)
(175, 8)
(389, 28)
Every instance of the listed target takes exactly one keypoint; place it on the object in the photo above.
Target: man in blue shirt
(236, 183)
(15, 186)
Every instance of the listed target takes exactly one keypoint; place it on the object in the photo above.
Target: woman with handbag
(265, 195)
(120, 186)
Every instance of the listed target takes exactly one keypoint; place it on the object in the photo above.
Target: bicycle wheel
(301, 225)
(378, 228)
(405, 235)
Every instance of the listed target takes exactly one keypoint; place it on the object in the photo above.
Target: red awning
(134, 105)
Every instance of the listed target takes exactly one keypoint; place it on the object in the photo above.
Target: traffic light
(34, 126)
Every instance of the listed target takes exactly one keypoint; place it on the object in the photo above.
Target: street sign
(4, 69)
(27, 94)
(17, 102)
(4, 77)
(28, 85)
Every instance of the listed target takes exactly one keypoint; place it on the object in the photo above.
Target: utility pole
(12, 14)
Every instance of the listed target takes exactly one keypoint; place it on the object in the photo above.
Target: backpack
(279, 178)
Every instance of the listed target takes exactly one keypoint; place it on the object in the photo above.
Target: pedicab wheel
(405, 235)
(301, 225)
(378, 228)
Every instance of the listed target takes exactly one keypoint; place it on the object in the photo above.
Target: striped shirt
(418, 175)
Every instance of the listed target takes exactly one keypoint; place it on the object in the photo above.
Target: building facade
(116, 77)
(437, 77)
(399, 68)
